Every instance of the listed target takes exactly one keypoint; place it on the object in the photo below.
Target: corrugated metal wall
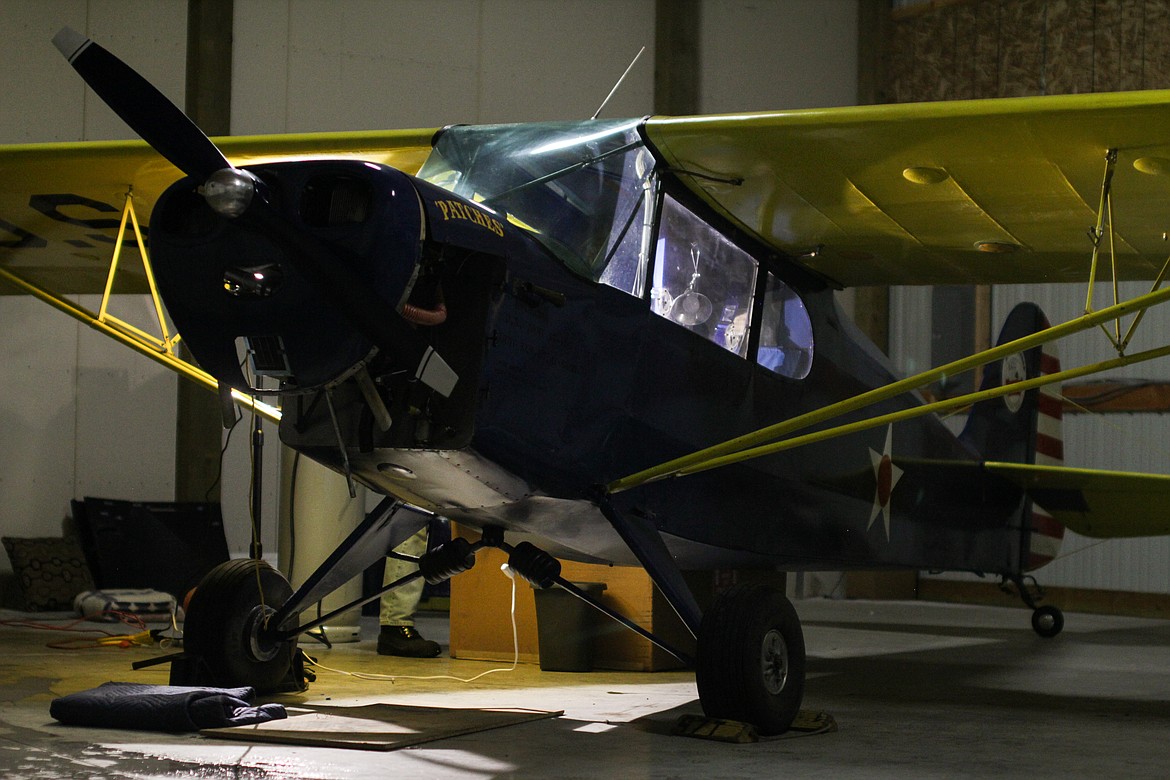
(995, 48)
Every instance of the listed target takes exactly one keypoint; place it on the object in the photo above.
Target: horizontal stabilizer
(1101, 504)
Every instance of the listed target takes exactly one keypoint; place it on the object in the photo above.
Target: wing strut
(947, 405)
(756, 444)
(159, 349)
(1104, 230)
(647, 545)
(167, 342)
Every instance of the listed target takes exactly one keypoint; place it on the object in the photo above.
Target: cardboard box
(481, 607)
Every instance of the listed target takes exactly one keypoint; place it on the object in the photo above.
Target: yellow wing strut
(161, 350)
(752, 445)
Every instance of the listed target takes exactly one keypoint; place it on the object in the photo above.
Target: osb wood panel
(1069, 47)
(1021, 60)
(1009, 48)
(1156, 45)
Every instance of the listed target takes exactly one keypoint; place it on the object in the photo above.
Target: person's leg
(396, 614)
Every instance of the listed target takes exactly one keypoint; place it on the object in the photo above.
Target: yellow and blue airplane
(617, 340)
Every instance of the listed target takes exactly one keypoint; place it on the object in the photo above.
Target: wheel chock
(717, 729)
(806, 723)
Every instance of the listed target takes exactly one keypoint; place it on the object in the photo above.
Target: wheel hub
(774, 661)
(260, 648)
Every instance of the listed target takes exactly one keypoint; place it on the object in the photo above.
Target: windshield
(583, 189)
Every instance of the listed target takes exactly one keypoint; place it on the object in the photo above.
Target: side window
(786, 338)
(702, 281)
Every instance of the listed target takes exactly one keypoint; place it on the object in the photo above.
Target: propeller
(139, 104)
(232, 193)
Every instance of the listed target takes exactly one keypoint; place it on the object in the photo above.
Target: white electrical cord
(507, 570)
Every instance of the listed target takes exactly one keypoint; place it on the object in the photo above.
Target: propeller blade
(140, 105)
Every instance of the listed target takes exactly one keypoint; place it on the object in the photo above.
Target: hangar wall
(79, 416)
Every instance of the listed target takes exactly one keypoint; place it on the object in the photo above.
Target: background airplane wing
(1102, 504)
(908, 193)
(61, 204)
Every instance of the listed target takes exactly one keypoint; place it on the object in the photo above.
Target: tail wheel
(750, 659)
(1047, 621)
(224, 621)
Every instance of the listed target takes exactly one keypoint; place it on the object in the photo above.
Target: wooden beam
(209, 103)
(1106, 395)
(209, 65)
(1105, 602)
(676, 57)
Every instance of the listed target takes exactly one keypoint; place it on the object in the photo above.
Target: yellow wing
(905, 194)
(60, 204)
(1103, 504)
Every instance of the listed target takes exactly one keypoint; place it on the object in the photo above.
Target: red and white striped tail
(1047, 533)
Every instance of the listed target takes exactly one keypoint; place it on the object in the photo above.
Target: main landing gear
(750, 660)
(225, 625)
(243, 622)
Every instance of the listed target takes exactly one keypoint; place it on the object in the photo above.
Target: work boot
(407, 642)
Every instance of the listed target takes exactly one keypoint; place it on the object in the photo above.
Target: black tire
(219, 627)
(750, 658)
(1047, 621)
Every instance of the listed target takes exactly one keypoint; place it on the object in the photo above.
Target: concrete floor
(917, 690)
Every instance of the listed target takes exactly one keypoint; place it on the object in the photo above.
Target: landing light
(924, 174)
(229, 191)
(253, 282)
(1153, 166)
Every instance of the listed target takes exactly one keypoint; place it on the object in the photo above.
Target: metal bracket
(1102, 231)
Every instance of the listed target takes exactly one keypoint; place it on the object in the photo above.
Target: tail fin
(1023, 427)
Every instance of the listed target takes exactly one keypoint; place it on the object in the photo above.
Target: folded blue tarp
(162, 707)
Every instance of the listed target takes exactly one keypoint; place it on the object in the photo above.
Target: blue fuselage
(565, 383)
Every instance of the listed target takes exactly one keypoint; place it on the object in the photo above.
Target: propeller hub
(229, 191)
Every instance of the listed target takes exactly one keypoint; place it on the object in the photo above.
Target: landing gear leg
(750, 661)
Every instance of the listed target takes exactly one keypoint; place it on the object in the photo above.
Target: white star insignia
(887, 475)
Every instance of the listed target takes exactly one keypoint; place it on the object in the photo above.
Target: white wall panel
(309, 65)
(41, 98)
(558, 59)
(78, 414)
(126, 409)
(38, 418)
(760, 55)
(910, 334)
